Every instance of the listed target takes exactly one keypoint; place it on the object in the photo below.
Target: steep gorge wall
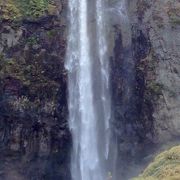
(148, 116)
(34, 138)
(159, 21)
(155, 45)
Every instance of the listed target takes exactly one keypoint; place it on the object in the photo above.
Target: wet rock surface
(34, 137)
(35, 141)
(145, 107)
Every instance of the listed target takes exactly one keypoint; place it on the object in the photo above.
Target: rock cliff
(145, 76)
(34, 137)
(145, 80)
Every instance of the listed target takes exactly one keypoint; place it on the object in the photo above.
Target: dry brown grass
(166, 166)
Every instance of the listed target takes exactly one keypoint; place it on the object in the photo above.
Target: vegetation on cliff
(30, 57)
(17, 9)
(165, 166)
(34, 137)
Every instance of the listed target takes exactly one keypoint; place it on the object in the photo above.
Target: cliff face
(145, 80)
(164, 36)
(159, 20)
(155, 52)
(34, 138)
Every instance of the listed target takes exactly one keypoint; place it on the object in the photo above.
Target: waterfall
(88, 88)
(104, 70)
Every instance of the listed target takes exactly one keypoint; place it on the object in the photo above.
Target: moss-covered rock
(31, 9)
(33, 107)
(9, 10)
(30, 74)
(174, 13)
(165, 166)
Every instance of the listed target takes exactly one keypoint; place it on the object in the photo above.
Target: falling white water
(104, 69)
(88, 121)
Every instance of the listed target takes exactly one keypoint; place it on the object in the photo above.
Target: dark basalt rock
(35, 141)
(133, 124)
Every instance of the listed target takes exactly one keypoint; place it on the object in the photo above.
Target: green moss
(33, 8)
(16, 9)
(143, 178)
(32, 40)
(166, 166)
(173, 13)
(175, 21)
(51, 33)
(155, 88)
